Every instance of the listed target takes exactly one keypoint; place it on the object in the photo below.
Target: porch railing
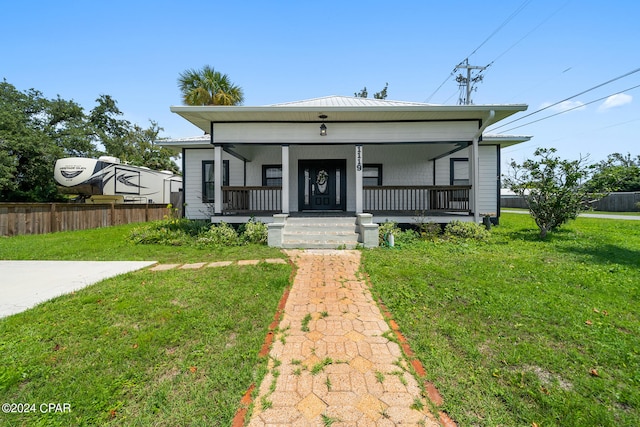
(417, 198)
(251, 199)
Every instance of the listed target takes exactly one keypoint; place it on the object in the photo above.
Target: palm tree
(208, 87)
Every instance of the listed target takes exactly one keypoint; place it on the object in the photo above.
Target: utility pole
(467, 84)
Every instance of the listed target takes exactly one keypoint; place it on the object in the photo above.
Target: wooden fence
(614, 202)
(41, 218)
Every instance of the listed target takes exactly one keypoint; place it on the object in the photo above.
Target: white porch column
(475, 180)
(217, 171)
(285, 179)
(359, 189)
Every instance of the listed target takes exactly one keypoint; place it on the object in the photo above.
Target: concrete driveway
(24, 284)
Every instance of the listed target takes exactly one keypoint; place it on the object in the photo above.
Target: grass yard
(111, 244)
(517, 331)
(146, 348)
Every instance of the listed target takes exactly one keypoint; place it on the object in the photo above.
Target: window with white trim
(208, 179)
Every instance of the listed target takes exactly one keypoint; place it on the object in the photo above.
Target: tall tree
(33, 134)
(619, 172)
(383, 93)
(362, 94)
(36, 131)
(378, 95)
(208, 87)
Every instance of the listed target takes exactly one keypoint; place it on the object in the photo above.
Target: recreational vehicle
(107, 178)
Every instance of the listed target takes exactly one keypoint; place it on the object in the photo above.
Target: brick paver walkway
(331, 362)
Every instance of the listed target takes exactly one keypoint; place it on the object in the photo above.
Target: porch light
(323, 127)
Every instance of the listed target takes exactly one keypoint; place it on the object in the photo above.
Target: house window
(372, 175)
(208, 179)
(459, 171)
(272, 175)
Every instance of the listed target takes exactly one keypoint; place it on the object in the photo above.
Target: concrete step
(320, 233)
(343, 229)
(321, 221)
(318, 244)
(327, 235)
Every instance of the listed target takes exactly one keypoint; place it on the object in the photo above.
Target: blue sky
(540, 52)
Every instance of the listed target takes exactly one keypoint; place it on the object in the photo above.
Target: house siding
(193, 158)
(344, 133)
(488, 200)
(401, 164)
(488, 165)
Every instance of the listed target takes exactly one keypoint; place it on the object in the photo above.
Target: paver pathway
(331, 362)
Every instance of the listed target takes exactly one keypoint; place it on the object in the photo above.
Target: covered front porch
(406, 180)
(395, 200)
(372, 160)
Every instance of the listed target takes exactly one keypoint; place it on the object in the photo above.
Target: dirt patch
(547, 378)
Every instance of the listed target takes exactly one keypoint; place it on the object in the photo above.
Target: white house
(365, 159)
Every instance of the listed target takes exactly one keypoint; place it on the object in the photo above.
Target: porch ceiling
(202, 116)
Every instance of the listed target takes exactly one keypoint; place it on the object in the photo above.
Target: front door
(322, 185)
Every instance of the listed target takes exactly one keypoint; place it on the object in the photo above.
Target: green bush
(219, 235)
(465, 230)
(406, 237)
(385, 229)
(173, 232)
(400, 237)
(429, 230)
(255, 232)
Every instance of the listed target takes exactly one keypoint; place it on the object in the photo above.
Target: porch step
(320, 233)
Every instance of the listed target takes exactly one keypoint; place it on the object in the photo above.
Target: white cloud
(565, 106)
(615, 101)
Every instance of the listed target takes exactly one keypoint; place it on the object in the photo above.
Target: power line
(520, 147)
(501, 26)
(572, 108)
(566, 99)
(530, 32)
(509, 18)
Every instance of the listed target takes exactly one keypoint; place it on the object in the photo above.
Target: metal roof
(345, 101)
(343, 109)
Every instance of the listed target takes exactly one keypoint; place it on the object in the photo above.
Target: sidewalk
(331, 362)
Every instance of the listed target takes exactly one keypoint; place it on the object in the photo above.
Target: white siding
(401, 164)
(309, 133)
(443, 166)
(488, 199)
(195, 208)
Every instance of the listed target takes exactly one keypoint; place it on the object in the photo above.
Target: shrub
(173, 232)
(429, 230)
(465, 230)
(255, 232)
(406, 237)
(219, 235)
(385, 229)
(400, 237)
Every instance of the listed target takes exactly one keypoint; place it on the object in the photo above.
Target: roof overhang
(203, 116)
(504, 140)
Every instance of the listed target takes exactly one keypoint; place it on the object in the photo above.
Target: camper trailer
(108, 179)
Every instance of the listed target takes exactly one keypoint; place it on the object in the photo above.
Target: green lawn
(146, 348)
(111, 244)
(513, 331)
(518, 331)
